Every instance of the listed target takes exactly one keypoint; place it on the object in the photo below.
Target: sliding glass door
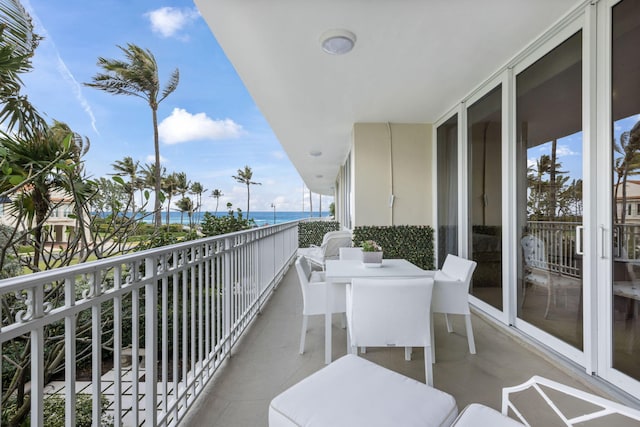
(447, 149)
(625, 203)
(549, 192)
(484, 142)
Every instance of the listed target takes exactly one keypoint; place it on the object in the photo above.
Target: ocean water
(260, 217)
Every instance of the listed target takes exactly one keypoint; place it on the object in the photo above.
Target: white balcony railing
(182, 307)
(560, 244)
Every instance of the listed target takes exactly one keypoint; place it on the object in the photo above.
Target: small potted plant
(371, 254)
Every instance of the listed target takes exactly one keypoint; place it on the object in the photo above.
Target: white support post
(151, 341)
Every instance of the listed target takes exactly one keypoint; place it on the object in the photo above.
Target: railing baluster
(117, 346)
(70, 354)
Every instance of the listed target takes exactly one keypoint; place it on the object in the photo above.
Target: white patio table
(342, 271)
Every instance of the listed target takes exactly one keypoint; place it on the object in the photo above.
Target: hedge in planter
(411, 242)
(312, 232)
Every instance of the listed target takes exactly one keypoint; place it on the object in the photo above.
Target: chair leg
(472, 343)
(407, 353)
(448, 322)
(433, 343)
(305, 319)
(428, 366)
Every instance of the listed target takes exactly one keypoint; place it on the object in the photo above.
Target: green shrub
(411, 242)
(312, 232)
(53, 411)
(216, 225)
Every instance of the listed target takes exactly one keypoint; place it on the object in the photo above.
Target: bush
(216, 225)
(411, 242)
(312, 232)
(53, 411)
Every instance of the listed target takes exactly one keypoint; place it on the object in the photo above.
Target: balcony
(215, 324)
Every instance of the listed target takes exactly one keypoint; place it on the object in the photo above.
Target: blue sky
(209, 127)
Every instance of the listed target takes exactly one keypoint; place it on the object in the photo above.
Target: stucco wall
(398, 155)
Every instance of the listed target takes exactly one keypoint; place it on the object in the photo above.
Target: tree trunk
(157, 206)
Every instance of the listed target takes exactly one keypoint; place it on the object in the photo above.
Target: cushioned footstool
(355, 392)
(480, 415)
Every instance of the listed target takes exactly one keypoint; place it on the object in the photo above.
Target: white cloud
(564, 150)
(151, 158)
(182, 126)
(278, 155)
(168, 21)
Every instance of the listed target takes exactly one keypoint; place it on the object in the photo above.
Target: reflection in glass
(549, 155)
(625, 109)
(485, 196)
(447, 135)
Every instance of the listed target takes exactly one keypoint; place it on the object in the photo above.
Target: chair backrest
(335, 233)
(390, 312)
(534, 255)
(458, 268)
(592, 407)
(351, 254)
(304, 275)
(331, 248)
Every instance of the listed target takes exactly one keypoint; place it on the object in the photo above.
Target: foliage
(11, 265)
(411, 242)
(17, 45)
(216, 225)
(54, 411)
(371, 246)
(332, 209)
(137, 75)
(312, 232)
(245, 176)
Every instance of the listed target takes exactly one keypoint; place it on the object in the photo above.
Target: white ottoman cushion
(355, 392)
(479, 415)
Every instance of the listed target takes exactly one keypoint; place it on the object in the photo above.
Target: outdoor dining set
(389, 304)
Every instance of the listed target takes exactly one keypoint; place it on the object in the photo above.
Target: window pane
(549, 155)
(485, 195)
(447, 189)
(625, 110)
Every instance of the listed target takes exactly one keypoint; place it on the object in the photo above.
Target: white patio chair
(390, 313)
(314, 294)
(537, 272)
(329, 249)
(354, 254)
(451, 293)
(569, 413)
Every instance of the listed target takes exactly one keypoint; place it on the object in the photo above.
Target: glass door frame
(584, 358)
(502, 79)
(604, 353)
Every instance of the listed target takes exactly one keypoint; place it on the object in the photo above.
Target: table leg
(327, 324)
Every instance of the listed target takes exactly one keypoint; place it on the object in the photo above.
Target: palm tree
(628, 164)
(197, 190)
(182, 185)
(129, 168)
(186, 205)
(17, 45)
(51, 162)
(149, 173)
(244, 177)
(169, 187)
(137, 75)
(216, 194)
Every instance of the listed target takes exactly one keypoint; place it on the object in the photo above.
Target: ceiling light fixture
(319, 176)
(315, 153)
(337, 42)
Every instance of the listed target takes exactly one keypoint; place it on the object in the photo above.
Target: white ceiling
(413, 60)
